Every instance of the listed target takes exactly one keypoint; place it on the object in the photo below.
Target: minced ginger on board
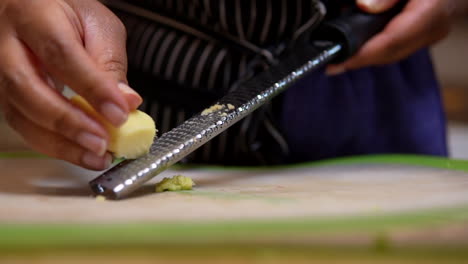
(176, 183)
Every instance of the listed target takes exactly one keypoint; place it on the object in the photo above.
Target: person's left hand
(420, 24)
(78, 43)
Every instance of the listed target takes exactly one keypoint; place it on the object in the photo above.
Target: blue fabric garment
(389, 109)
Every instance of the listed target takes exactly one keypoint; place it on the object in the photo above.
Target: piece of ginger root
(131, 140)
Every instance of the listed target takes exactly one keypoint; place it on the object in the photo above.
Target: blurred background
(450, 58)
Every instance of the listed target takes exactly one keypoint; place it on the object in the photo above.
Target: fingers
(53, 144)
(376, 6)
(133, 99)
(46, 44)
(46, 108)
(418, 25)
(105, 37)
(59, 47)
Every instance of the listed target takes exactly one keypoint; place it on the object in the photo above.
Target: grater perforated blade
(171, 147)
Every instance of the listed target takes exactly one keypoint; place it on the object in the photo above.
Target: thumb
(376, 6)
(105, 41)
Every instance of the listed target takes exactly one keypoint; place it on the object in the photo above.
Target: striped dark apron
(185, 54)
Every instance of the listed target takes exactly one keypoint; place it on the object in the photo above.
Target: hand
(79, 43)
(420, 24)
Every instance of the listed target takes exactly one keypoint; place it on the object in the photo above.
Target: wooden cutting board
(49, 191)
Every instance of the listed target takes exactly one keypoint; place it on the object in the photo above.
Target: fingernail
(126, 89)
(375, 6)
(369, 2)
(335, 70)
(136, 99)
(107, 160)
(96, 162)
(114, 114)
(92, 142)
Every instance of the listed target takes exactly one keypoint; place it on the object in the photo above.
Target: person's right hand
(420, 24)
(79, 43)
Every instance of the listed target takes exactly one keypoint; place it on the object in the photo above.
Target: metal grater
(126, 177)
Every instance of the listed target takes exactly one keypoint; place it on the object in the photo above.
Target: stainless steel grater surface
(174, 145)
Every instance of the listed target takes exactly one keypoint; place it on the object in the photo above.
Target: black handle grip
(354, 28)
